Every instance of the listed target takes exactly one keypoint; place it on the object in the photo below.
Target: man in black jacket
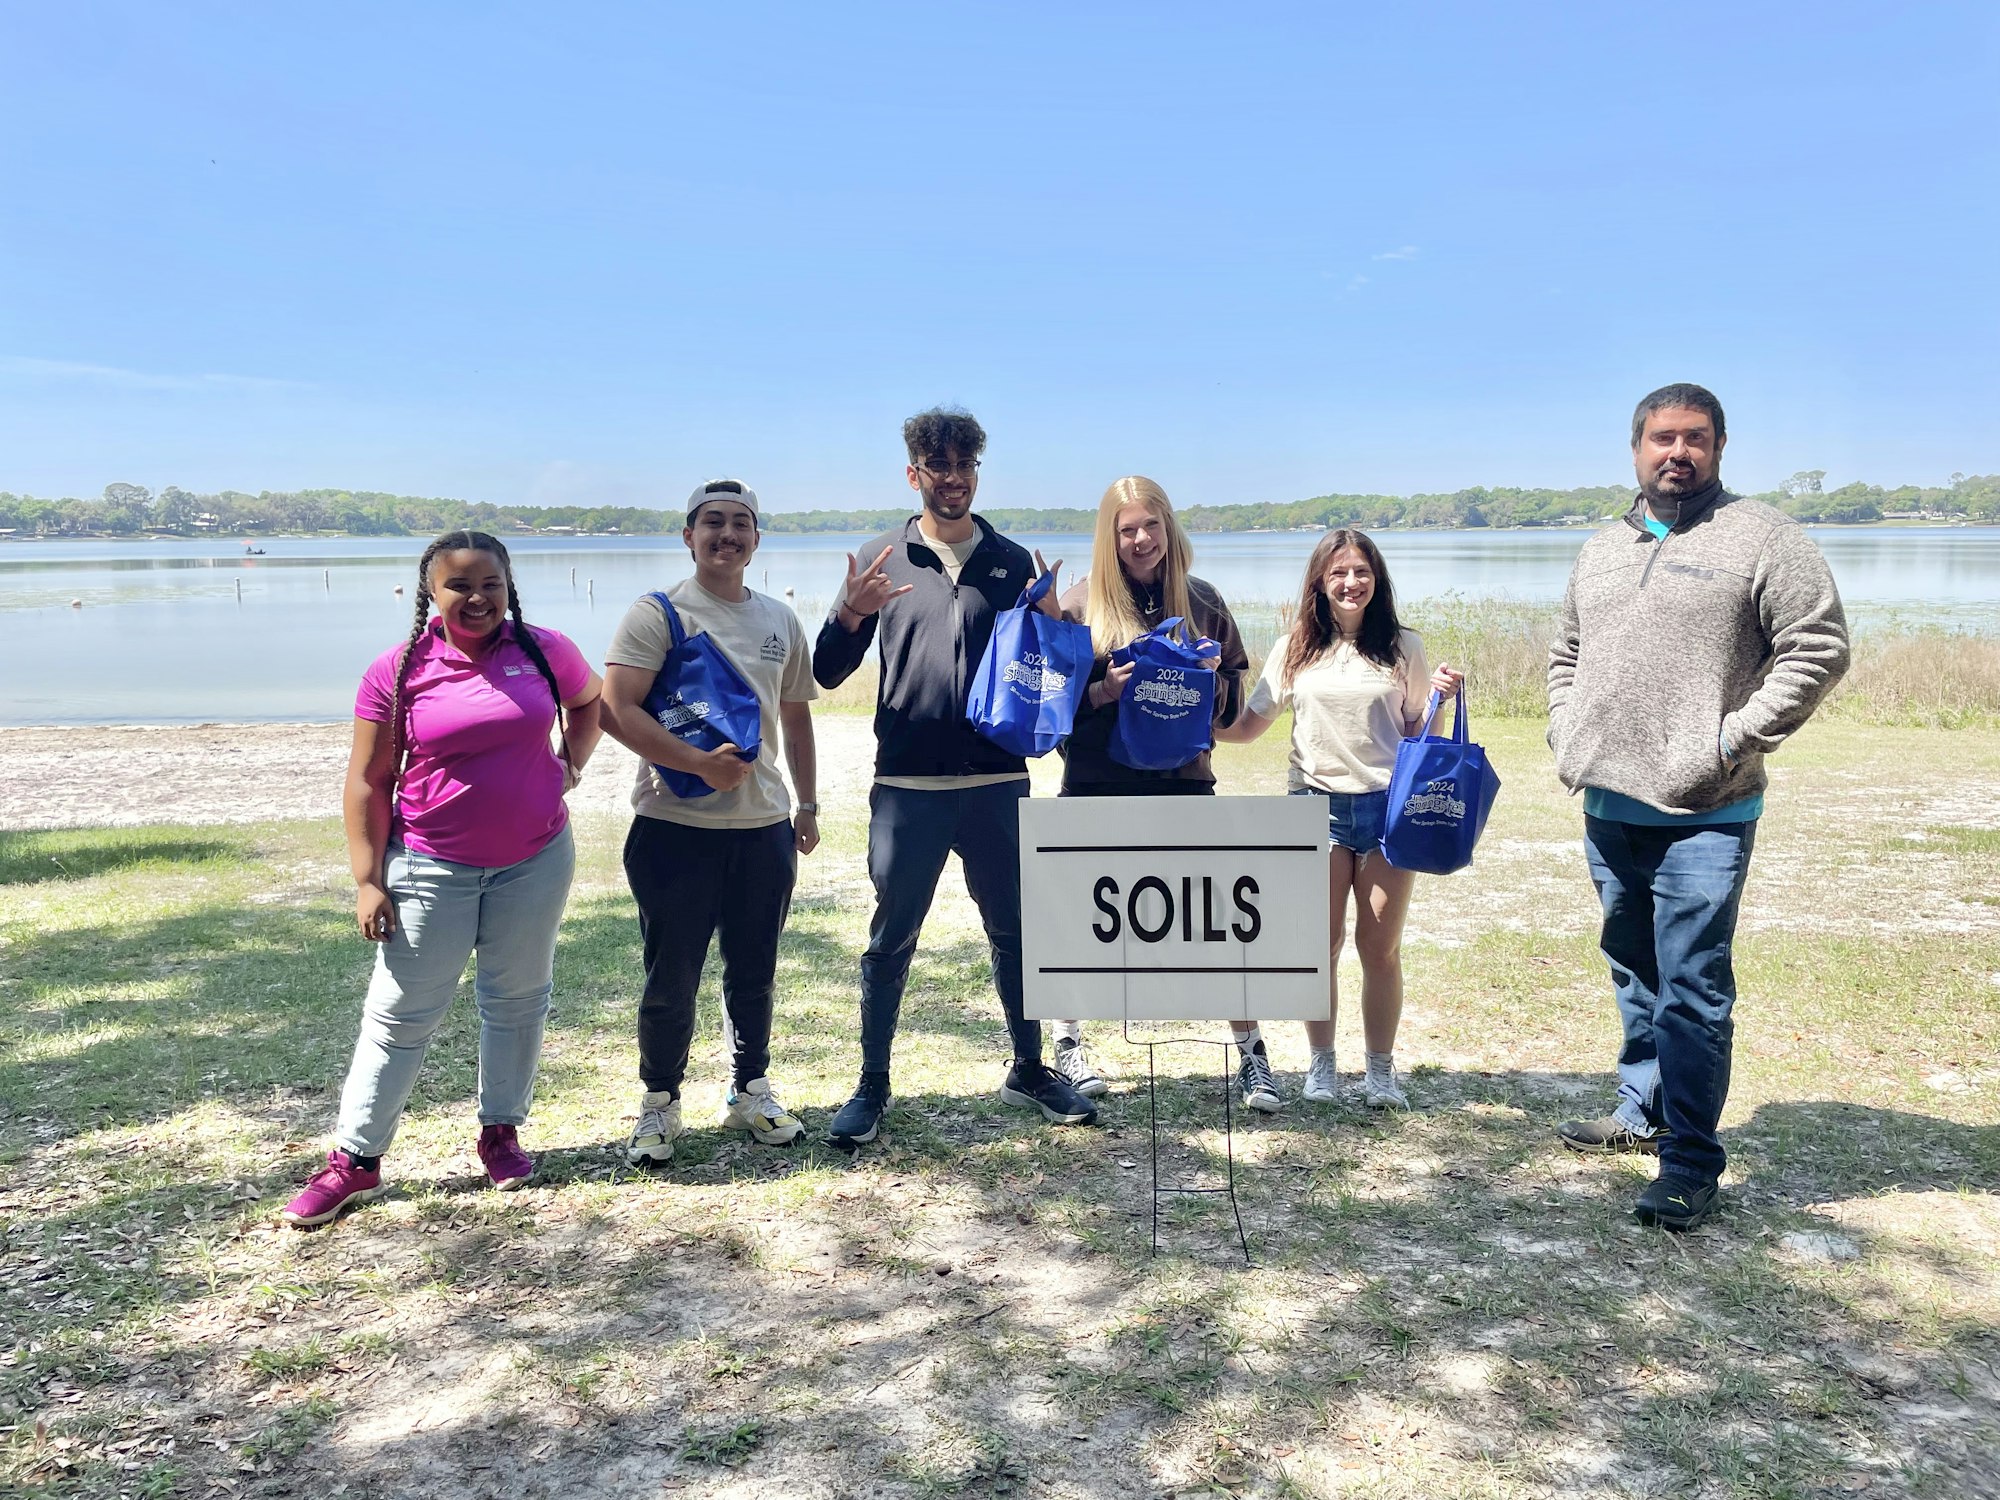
(931, 589)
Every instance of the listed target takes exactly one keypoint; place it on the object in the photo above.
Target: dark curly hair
(1680, 394)
(469, 541)
(943, 432)
(1380, 638)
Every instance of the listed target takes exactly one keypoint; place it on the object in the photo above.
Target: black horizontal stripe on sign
(1175, 969)
(1177, 848)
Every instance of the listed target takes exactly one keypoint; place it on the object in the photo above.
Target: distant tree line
(134, 510)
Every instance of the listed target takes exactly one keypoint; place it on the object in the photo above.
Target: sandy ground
(122, 776)
(1445, 1305)
(125, 776)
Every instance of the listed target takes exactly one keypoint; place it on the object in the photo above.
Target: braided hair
(465, 541)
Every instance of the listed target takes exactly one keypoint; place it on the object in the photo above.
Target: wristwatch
(811, 807)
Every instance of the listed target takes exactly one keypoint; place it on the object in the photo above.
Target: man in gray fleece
(1697, 634)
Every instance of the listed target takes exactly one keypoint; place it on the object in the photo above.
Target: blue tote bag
(1026, 690)
(1166, 712)
(1439, 796)
(701, 698)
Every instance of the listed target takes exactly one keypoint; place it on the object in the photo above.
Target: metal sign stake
(1228, 1133)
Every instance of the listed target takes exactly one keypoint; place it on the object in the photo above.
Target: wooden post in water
(239, 591)
(326, 579)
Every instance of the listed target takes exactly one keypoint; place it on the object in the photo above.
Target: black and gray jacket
(1726, 632)
(932, 639)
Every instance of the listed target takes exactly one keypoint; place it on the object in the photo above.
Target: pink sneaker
(506, 1163)
(331, 1190)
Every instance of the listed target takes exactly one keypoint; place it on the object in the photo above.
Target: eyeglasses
(965, 468)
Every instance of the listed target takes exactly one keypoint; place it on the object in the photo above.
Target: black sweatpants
(691, 883)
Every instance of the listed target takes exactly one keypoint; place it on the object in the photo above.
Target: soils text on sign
(1169, 909)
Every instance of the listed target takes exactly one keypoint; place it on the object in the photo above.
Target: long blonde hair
(1108, 610)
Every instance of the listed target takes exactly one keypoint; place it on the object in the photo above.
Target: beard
(1670, 488)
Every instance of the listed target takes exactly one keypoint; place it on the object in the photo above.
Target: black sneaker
(1608, 1136)
(1260, 1089)
(1675, 1202)
(860, 1118)
(1033, 1086)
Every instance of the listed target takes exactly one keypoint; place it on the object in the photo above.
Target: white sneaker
(1260, 1089)
(1382, 1091)
(653, 1137)
(1073, 1063)
(1322, 1082)
(755, 1108)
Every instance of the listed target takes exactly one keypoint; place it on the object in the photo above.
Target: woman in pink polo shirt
(459, 841)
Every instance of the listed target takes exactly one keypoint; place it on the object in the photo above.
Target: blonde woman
(1139, 579)
(1356, 683)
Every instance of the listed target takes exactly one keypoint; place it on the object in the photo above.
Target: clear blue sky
(597, 253)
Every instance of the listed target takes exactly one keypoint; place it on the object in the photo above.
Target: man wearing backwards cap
(726, 861)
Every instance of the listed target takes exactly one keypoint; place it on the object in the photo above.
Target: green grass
(1441, 1303)
(1903, 675)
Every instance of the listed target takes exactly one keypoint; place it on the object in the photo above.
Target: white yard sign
(1174, 908)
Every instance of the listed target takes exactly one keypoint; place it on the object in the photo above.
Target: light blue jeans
(446, 913)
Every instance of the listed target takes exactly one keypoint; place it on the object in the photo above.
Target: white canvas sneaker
(1073, 1062)
(1382, 1091)
(1322, 1082)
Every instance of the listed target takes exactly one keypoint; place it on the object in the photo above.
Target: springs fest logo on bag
(1169, 690)
(1034, 675)
(1437, 797)
(681, 715)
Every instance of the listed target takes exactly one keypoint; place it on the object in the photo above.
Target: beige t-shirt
(953, 556)
(1348, 713)
(765, 642)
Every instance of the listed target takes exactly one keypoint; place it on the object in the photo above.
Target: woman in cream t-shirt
(1356, 683)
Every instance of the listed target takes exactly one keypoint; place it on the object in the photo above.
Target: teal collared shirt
(1616, 807)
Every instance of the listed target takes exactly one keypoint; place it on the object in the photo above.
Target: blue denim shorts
(1354, 820)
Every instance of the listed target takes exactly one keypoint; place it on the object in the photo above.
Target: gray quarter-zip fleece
(1727, 631)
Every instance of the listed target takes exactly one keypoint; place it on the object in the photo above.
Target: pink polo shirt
(481, 785)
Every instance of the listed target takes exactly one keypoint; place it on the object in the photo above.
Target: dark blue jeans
(909, 834)
(1670, 897)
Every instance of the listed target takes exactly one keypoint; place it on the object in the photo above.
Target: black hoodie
(932, 640)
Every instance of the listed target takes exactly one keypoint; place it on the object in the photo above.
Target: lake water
(194, 631)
